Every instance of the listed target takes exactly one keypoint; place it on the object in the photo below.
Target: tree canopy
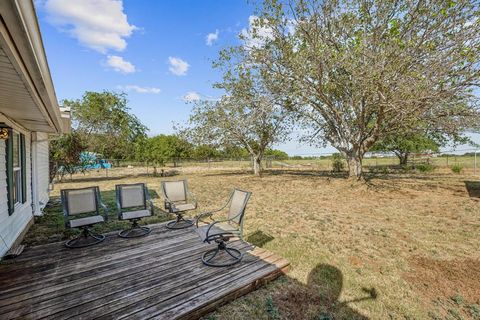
(162, 148)
(247, 115)
(355, 71)
(104, 120)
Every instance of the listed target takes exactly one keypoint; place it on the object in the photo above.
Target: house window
(17, 168)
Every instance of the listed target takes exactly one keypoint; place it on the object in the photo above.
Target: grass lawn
(398, 247)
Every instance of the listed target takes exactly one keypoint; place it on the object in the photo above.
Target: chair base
(180, 223)
(234, 255)
(135, 232)
(85, 239)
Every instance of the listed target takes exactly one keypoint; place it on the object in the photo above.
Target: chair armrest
(208, 235)
(168, 204)
(150, 204)
(105, 210)
(119, 207)
(149, 201)
(192, 198)
(205, 215)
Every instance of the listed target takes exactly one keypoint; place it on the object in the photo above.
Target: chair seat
(137, 214)
(75, 223)
(183, 207)
(227, 229)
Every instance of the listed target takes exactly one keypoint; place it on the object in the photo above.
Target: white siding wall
(12, 226)
(42, 168)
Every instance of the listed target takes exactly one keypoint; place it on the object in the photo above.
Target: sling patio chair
(133, 204)
(81, 209)
(178, 200)
(221, 231)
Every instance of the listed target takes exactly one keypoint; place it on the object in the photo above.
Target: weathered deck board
(159, 276)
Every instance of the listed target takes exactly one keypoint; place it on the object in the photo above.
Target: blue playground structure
(92, 161)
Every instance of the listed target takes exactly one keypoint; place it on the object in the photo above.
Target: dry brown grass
(397, 247)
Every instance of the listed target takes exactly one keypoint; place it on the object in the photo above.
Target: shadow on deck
(159, 276)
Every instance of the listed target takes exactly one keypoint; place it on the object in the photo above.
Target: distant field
(442, 164)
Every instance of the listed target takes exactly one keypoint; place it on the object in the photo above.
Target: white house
(29, 112)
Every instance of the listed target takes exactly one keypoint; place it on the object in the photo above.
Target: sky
(159, 52)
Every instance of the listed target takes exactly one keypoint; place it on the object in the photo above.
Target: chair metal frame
(86, 232)
(180, 222)
(221, 238)
(147, 205)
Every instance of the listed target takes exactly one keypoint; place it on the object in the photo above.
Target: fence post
(475, 163)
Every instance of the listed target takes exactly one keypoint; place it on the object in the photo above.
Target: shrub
(337, 163)
(456, 168)
(425, 167)
(272, 309)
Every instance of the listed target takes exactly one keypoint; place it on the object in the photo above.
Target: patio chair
(133, 204)
(221, 231)
(178, 200)
(81, 209)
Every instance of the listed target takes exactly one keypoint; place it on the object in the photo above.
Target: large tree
(104, 121)
(356, 71)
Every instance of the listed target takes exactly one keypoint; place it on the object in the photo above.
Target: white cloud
(139, 89)
(119, 64)
(211, 38)
(191, 96)
(256, 35)
(98, 24)
(178, 66)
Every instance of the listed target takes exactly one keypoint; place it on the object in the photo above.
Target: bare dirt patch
(451, 283)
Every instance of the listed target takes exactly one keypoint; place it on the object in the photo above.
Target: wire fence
(445, 162)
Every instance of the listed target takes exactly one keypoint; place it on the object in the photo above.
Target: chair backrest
(238, 203)
(175, 190)
(78, 201)
(131, 195)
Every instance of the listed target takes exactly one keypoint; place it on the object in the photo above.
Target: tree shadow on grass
(282, 172)
(259, 238)
(473, 188)
(319, 298)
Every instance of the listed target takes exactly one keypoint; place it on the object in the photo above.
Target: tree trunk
(403, 158)
(257, 165)
(355, 169)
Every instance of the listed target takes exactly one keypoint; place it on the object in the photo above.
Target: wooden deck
(159, 276)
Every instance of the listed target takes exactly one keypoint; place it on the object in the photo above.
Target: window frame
(17, 179)
(16, 172)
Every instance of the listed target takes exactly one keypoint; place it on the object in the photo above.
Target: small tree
(276, 154)
(233, 121)
(204, 151)
(65, 152)
(247, 116)
(404, 145)
(162, 148)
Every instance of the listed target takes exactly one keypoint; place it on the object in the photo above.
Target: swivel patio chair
(133, 204)
(178, 200)
(221, 231)
(81, 209)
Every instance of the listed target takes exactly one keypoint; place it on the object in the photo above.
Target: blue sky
(159, 52)
(95, 45)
